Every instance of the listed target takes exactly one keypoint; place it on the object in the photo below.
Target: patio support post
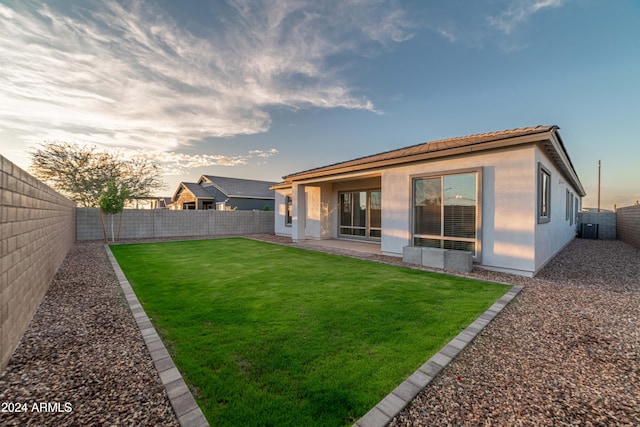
(299, 214)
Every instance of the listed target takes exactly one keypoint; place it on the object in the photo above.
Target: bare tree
(82, 173)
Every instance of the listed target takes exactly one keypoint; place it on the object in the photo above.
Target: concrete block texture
(154, 223)
(606, 223)
(460, 261)
(412, 254)
(433, 257)
(628, 225)
(37, 227)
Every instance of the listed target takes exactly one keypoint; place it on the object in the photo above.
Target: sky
(262, 89)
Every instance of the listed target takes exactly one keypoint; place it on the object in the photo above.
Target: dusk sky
(261, 89)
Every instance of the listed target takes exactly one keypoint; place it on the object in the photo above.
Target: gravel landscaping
(566, 351)
(84, 355)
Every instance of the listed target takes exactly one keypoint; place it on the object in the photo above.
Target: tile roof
(238, 187)
(424, 148)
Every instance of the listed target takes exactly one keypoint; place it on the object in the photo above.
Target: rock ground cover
(83, 358)
(565, 352)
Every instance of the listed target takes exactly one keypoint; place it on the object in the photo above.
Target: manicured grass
(274, 335)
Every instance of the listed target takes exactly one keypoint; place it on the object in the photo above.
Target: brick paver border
(189, 413)
(394, 402)
(182, 401)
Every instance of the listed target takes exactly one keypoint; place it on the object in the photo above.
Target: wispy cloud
(480, 24)
(265, 154)
(519, 12)
(174, 163)
(128, 75)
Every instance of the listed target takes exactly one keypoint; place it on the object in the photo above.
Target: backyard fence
(628, 225)
(159, 223)
(597, 225)
(37, 229)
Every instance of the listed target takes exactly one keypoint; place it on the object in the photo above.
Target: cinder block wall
(606, 223)
(628, 225)
(37, 228)
(155, 223)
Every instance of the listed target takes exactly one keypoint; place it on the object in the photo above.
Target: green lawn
(273, 335)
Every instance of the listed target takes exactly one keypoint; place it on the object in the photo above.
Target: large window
(361, 214)
(544, 194)
(445, 213)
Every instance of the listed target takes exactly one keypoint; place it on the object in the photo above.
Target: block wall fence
(38, 226)
(628, 225)
(606, 223)
(37, 229)
(159, 223)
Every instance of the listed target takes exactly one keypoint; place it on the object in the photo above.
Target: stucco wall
(510, 237)
(153, 223)
(628, 225)
(508, 205)
(37, 228)
(280, 213)
(559, 231)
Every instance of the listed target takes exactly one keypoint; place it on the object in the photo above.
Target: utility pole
(599, 185)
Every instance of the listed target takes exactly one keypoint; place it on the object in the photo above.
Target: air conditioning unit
(589, 230)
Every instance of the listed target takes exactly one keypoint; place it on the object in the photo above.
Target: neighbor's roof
(241, 188)
(194, 189)
(452, 146)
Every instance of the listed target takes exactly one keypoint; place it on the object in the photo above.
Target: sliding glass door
(361, 214)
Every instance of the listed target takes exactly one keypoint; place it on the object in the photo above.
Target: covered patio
(365, 248)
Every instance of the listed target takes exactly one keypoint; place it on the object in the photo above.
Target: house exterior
(510, 198)
(223, 193)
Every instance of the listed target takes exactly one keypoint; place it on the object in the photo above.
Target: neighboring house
(148, 202)
(510, 198)
(163, 202)
(222, 193)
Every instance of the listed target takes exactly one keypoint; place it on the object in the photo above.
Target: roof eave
(564, 163)
(481, 146)
(251, 197)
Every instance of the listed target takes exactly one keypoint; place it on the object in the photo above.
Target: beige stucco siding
(507, 204)
(510, 238)
(552, 236)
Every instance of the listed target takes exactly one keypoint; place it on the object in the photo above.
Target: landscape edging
(184, 405)
(384, 412)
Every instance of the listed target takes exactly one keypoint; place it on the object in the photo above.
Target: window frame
(478, 171)
(543, 198)
(367, 228)
(288, 210)
(571, 210)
